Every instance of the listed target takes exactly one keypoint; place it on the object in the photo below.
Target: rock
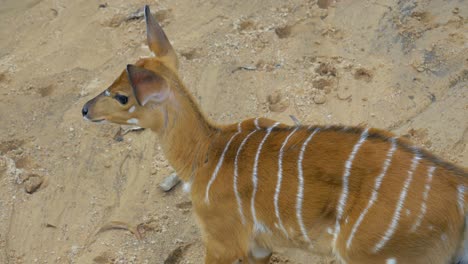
(319, 98)
(169, 182)
(33, 183)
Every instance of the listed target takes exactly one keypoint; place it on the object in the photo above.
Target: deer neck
(185, 134)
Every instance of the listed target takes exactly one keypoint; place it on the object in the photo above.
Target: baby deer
(361, 194)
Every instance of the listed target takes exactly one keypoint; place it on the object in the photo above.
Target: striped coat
(366, 193)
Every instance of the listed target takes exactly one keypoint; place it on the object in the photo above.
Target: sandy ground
(399, 65)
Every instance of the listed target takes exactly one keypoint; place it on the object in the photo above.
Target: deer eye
(121, 98)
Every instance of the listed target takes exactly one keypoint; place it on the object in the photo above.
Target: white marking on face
(132, 109)
(401, 202)
(423, 210)
(278, 183)
(408, 212)
(236, 175)
(391, 261)
(218, 166)
(375, 191)
(344, 192)
(133, 121)
(255, 176)
(330, 230)
(106, 93)
(300, 191)
(461, 199)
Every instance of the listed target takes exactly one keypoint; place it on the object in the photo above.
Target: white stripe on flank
(280, 178)
(218, 166)
(300, 192)
(427, 188)
(461, 199)
(344, 193)
(236, 176)
(396, 217)
(257, 225)
(256, 124)
(375, 192)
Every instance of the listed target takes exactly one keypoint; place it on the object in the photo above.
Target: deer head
(141, 92)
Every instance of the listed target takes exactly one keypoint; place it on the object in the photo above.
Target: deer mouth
(100, 121)
(97, 121)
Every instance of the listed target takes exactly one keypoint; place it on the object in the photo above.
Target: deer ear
(147, 86)
(158, 42)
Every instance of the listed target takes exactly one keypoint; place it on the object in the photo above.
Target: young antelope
(362, 194)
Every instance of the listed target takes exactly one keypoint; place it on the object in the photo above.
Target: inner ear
(147, 86)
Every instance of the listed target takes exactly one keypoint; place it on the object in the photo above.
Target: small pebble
(319, 98)
(169, 182)
(32, 183)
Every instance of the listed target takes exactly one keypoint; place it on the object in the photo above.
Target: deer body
(361, 194)
(414, 205)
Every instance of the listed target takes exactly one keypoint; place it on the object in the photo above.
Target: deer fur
(363, 195)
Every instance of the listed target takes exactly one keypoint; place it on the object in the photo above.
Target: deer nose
(84, 111)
